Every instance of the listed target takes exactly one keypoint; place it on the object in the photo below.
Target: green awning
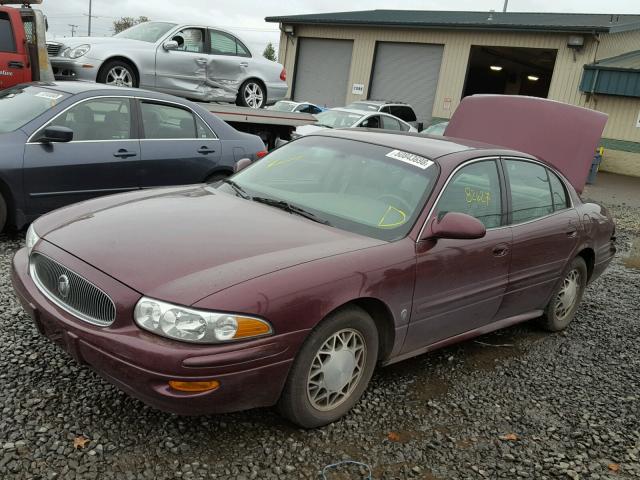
(613, 76)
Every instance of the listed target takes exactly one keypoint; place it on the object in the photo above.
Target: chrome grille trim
(84, 301)
(53, 49)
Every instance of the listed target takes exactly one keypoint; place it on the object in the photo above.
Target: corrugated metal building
(432, 59)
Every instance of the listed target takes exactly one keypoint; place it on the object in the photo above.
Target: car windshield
(367, 107)
(146, 32)
(355, 186)
(283, 106)
(338, 119)
(20, 105)
(437, 129)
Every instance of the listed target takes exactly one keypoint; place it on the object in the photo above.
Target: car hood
(564, 136)
(75, 41)
(183, 244)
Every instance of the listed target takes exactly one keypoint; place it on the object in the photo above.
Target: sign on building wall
(357, 89)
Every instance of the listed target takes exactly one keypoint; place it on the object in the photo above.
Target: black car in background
(62, 143)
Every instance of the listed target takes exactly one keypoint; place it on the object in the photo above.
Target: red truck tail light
(261, 153)
(283, 75)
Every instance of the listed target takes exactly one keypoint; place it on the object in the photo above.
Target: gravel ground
(516, 403)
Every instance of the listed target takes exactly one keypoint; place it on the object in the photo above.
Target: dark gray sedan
(62, 143)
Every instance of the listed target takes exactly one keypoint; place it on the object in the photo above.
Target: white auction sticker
(410, 158)
(48, 95)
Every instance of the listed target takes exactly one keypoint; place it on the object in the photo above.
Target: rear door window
(474, 190)
(162, 122)
(558, 191)
(530, 190)
(404, 113)
(225, 44)
(389, 123)
(7, 41)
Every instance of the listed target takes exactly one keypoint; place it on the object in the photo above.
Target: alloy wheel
(336, 369)
(120, 77)
(253, 95)
(568, 294)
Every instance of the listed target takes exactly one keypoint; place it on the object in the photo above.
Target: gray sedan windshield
(20, 105)
(146, 32)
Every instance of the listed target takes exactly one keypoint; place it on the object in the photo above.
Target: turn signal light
(194, 387)
(262, 153)
(283, 75)
(250, 327)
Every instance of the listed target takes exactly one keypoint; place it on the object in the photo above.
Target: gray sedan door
(183, 70)
(229, 61)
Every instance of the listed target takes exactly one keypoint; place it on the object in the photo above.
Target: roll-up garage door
(322, 71)
(407, 72)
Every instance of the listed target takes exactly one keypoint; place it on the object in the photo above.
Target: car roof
(76, 87)
(382, 102)
(430, 147)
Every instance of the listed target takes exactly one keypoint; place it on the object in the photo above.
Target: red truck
(23, 51)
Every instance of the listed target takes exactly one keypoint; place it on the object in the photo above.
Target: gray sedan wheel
(119, 74)
(252, 94)
(332, 369)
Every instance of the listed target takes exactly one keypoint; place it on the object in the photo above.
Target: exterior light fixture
(495, 68)
(533, 78)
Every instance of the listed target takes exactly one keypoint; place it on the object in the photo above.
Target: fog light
(192, 387)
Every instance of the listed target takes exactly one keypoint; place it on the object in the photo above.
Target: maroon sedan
(340, 251)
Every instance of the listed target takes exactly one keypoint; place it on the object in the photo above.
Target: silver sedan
(192, 61)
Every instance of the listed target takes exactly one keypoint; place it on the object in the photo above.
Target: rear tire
(3, 214)
(566, 298)
(252, 94)
(332, 369)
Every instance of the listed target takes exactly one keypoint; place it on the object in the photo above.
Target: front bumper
(82, 68)
(251, 374)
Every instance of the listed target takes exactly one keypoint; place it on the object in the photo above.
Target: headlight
(32, 238)
(76, 52)
(196, 326)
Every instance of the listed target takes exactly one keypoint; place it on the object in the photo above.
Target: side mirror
(242, 164)
(456, 225)
(170, 45)
(56, 135)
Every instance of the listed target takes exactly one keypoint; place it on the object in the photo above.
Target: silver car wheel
(120, 77)
(253, 95)
(336, 369)
(568, 294)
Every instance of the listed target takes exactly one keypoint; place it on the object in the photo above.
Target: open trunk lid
(565, 136)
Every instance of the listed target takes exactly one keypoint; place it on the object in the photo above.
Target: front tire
(566, 297)
(332, 369)
(252, 94)
(118, 73)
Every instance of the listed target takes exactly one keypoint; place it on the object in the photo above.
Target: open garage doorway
(510, 71)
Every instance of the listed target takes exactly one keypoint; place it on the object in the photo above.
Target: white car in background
(351, 118)
(299, 107)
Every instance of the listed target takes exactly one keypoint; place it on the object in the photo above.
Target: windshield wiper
(287, 207)
(238, 189)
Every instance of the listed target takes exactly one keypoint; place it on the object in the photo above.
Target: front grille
(53, 49)
(71, 292)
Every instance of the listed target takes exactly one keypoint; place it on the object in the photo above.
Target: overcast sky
(246, 17)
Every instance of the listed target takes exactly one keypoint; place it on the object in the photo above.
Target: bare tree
(127, 22)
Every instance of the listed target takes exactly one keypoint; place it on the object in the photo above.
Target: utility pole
(506, 4)
(90, 17)
(73, 29)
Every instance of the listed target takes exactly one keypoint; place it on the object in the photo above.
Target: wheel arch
(9, 199)
(589, 257)
(382, 317)
(122, 59)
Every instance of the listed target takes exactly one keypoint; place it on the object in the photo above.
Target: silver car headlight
(196, 326)
(31, 239)
(76, 52)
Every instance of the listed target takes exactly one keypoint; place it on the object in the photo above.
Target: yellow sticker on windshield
(387, 220)
(284, 161)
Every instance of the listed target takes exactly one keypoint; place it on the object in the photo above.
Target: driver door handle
(16, 64)
(244, 64)
(124, 153)
(206, 150)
